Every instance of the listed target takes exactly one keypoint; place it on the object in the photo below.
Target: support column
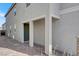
(48, 35)
(31, 34)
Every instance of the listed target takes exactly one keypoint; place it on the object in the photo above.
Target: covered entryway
(26, 32)
(39, 33)
(55, 40)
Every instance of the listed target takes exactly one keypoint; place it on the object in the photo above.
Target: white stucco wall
(34, 10)
(39, 32)
(10, 21)
(65, 31)
(68, 5)
(54, 9)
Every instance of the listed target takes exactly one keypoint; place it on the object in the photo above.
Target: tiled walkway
(10, 47)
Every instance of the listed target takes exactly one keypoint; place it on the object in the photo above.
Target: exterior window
(15, 27)
(27, 4)
(14, 12)
(10, 29)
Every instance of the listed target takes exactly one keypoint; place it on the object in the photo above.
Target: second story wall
(32, 11)
(68, 5)
(54, 9)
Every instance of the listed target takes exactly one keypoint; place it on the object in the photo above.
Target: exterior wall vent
(27, 5)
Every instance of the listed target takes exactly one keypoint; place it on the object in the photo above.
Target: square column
(31, 35)
(48, 35)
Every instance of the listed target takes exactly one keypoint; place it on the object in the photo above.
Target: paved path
(11, 47)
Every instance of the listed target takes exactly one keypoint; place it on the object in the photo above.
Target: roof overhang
(10, 9)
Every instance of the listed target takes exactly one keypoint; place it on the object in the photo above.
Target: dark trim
(10, 9)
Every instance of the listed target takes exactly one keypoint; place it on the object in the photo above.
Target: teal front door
(26, 32)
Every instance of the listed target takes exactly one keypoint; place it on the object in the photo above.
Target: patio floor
(11, 47)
